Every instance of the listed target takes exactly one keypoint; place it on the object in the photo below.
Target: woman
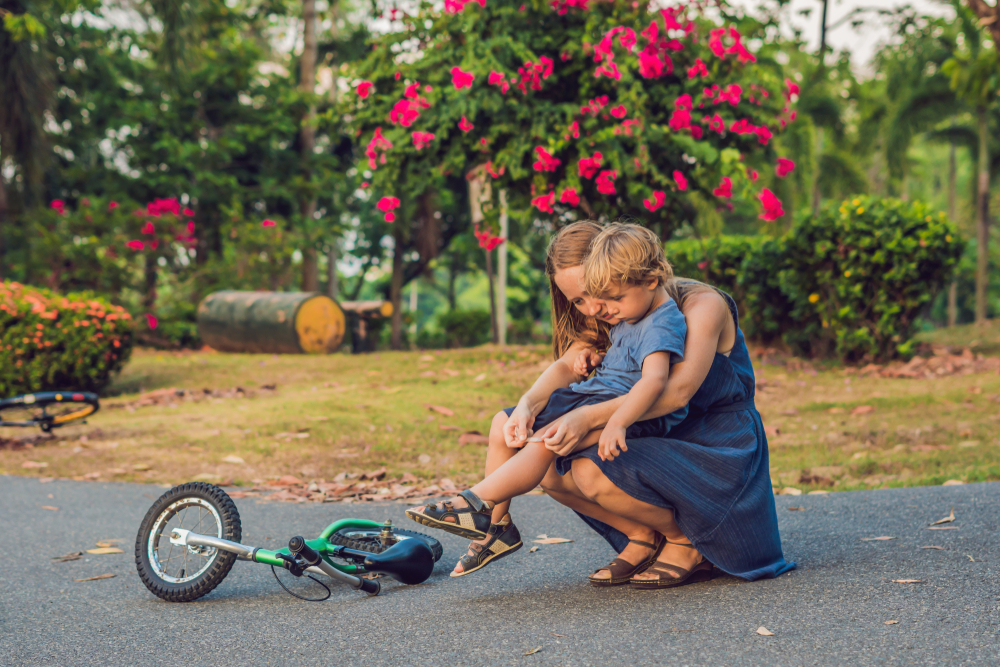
(706, 487)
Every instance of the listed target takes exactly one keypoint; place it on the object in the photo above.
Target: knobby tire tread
(375, 547)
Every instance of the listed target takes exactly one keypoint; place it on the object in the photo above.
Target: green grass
(983, 339)
(364, 412)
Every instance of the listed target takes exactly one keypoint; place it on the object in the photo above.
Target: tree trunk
(396, 288)
(953, 288)
(452, 278)
(817, 198)
(332, 280)
(983, 220)
(307, 84)
(502, 273)
(3, 225)
(149, 297)
(493, 301)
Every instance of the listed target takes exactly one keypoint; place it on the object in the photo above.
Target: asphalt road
(831, 611)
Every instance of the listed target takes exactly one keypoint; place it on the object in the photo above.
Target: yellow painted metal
(320, 325)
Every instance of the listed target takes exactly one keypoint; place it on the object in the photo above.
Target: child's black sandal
(504, 539)
(472, 522)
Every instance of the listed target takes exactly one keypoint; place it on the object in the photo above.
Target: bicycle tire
(34, 409)
(153, 571)
(367, 539)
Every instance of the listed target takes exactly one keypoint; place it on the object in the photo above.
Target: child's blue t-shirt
(663, 330)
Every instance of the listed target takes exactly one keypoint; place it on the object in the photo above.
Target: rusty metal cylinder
(271, 322)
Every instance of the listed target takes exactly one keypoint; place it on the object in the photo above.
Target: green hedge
(48, 341)
(847, 283)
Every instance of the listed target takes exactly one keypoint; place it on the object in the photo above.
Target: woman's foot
(640, 549)
(465, 515)
(678, 561)
(502, 539)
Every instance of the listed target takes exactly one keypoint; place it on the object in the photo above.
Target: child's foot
(638, 554)
(502, 540)
(464, 515)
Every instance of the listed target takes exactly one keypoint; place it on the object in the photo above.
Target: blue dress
(712, 472)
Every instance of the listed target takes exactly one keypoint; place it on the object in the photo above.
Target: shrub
(858, 275)
(48, 341)
(465, 328)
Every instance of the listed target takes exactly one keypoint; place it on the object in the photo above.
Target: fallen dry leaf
(375, 474)
(473, 438)
(764, 632)
(556, 634)
(938, 548)
(971, 558)
(532, 651)
(426, 357)
(450, 372)
(947, 519)
(479, 378)
(50, 507)
(552, 540)
(969, 443)
(942, 527)
(107, 543)
(76, 555)
(892, 622)
(531, 551)
(447, 412)
(408, 478)
(872, 539)
(447, 427)
(34, 464)
(140, 466)
(835, 411)
(862, 410)
(100, 551)
(232, 458)
(953, 482)
(100, 576)
(424, 459)
(907, 581)
(790, 491)
(797, 509)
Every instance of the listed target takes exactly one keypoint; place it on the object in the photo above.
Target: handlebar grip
(371, 586)
(297, 545)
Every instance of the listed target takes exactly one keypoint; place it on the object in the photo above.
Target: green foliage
(49, 342)
(848, 283)
(465, 328)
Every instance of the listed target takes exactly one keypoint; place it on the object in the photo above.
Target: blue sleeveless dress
(712, 471)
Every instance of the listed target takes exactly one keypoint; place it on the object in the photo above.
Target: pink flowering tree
(577, 108)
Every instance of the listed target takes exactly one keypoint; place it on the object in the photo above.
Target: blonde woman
(705, 486)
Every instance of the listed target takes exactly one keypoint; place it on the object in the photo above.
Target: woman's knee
(589, 479)
(496, 427)
(553, 482)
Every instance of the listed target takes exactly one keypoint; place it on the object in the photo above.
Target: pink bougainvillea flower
(421, 139)
(404, 112)
(151, 320)
(659, 197)
(652, 32)
(545, 160)
(387, 204)
(148, 228)
(716, 124)
(785, 167)
(742, 126)
(606, 182)
(112, 205)
(587, 167)
(697, 132)
(190, 228)
(58, 205)
(497, 79)
(650, 64)
(715, 42)
(703, 265)
(492, 172)
(158, 207)
(627, 39)
(364, 89)
(730, 93)
(135, 245)
(682, 183)
(670, 18)
(413, 90)
(753, 175)
(569, 196)
(763, 135)
(792, 89)
(378, 143)
(683, 102)
(792, 116)
(608, 69)
(464, 125)
(574, 130)
(680, 120)
(725, 189)
(771, 204)
(268, 223)
(619, 111)
(188, 212)
(390, 217)
(154, 244)
(544, 203)
(461, 79)
(398, 75)
(546, 64)
(698, 69)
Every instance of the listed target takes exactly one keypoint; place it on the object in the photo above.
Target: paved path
(831, 611)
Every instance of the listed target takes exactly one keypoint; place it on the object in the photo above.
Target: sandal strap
(619, 568)
(644, 544)
(681, 544)
(667, 568)
(475, 502)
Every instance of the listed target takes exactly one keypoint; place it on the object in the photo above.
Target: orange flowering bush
(49, 341)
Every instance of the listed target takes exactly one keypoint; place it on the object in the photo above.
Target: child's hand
(612, 440)
(517, 429)
(586, 362)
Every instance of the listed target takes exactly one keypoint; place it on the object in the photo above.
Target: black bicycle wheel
(367, 539)
(48, 409)
(184, 573)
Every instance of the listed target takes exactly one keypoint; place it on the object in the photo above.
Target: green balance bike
(190, 538)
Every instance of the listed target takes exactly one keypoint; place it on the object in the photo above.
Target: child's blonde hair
(625, 254)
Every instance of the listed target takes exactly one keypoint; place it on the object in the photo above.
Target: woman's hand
(566, 434)
(517, 428)
(612, 440)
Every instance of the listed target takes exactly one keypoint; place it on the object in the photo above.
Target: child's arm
(559, 375)
(649, 388)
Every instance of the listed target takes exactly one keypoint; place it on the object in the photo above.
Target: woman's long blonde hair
(568, 248)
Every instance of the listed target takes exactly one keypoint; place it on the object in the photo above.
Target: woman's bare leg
(564, 490)
(602, 491)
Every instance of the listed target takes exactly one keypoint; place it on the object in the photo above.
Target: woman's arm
(707, 314)
(559, 375)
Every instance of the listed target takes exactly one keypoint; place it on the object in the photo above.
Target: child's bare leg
(498, 454)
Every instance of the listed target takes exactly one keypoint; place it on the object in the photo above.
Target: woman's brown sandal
(701, 572)
(504, 539)
(622, 571)
(472, 522)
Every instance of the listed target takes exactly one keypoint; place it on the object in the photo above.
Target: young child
(627, 269)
